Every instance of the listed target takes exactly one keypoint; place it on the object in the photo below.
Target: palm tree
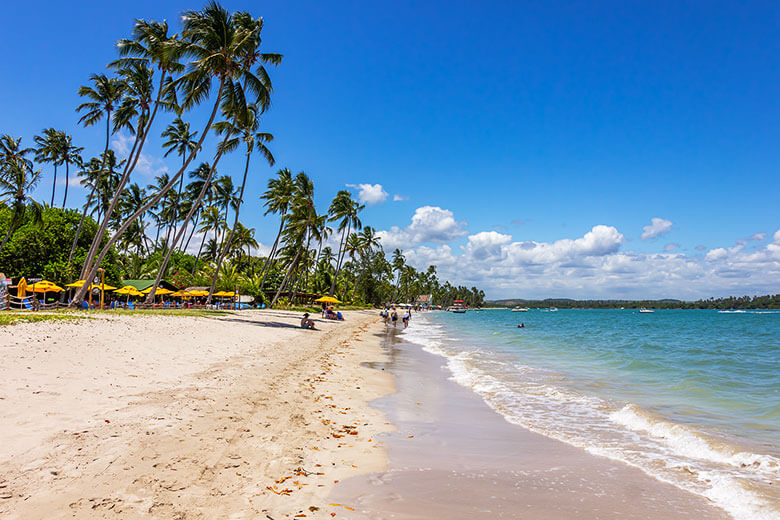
(181, 140)
(219, 48)
(70, 154)
(398, 265)
(49, 149)
(345, 210)
(298, 226)
(212, 222)
(17, 179)
(199, 176)
(245, 125)
(277, 200)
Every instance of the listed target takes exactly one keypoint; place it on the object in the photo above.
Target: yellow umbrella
(44, 287)
(76, 284)
(21, 288)
(327, 299)
(224, 293)
(160, 291)
(199, 293)
(129, 290)
(181, 292)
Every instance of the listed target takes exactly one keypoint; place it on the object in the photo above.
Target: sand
(239, 416)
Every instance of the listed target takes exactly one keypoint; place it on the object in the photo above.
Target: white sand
(186, 417)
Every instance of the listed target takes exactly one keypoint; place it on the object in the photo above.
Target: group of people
(391, 315)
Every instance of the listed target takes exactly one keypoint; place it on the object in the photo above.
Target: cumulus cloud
(595, 265)
(147, 165)
(370, 193)
(658, 227)
(429, 224)
(671, 247)
(398, 198)
(757, 237)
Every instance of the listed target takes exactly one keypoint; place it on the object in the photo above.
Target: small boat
(458, 307)
(520, 309)
(646, 311)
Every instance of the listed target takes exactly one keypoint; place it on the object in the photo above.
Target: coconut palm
(70, 154)
(345, 210)
(17, 180)
(49, 150)
(218, 46)
(277, 200)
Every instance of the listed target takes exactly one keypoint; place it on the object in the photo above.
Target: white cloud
(671, 247)
(757, 237)
(658, 227)
(429, 224)
(370, 193)
(147, 165)
(596, 266)
(398, 198)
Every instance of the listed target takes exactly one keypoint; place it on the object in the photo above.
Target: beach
(246, 415)
(243, 415)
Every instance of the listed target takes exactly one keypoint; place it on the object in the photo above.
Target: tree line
(134, 231)
(731, 302)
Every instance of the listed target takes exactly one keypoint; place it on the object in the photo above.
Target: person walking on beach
(394, 318)
(406, 317)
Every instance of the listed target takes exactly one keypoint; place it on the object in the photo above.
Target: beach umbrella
(327, 299)
(76, 284)
(21, 288)
(181, 293)
(129, 290)
(160, 290)
(224, 293)
(44, 287)
(102, 287)
(199, 293)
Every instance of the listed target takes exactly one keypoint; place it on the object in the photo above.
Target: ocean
(690, 397)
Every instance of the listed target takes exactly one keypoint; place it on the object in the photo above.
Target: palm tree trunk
(78, 229)
(129, 167)
(53, 185)
(286, 277)
(267, 263)
(180, 234)
(339, 260)
(154, 200)
(194, 227)
(226, 245)
(8, 234)
(67, 171)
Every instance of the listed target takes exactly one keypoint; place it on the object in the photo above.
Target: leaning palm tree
(245, 126)
(17, 180)
(218, 47)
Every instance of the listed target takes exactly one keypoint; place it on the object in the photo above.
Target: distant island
(732, 302)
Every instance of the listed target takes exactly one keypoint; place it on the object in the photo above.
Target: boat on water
(646, 311)
(551, 309)
(520, 309)
(458, 307)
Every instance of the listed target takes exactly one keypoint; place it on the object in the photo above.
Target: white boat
(520, 309)
(646, 311)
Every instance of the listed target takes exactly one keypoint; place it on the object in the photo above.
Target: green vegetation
(215, 59)
(12, 318)
(744, 302)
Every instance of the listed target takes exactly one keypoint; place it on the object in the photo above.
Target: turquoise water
(690, 397)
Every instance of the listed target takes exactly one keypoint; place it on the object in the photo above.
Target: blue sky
(510, 130)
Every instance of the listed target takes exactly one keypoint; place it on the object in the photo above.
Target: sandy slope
(243, 416)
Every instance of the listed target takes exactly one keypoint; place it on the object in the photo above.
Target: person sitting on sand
(306, 323)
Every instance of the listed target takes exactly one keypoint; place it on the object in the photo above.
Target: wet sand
(453, 457)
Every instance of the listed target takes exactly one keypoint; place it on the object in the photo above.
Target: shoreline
(240, 416)
(455, 457)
